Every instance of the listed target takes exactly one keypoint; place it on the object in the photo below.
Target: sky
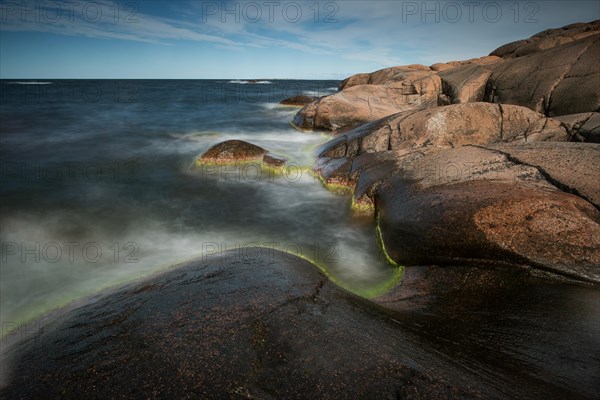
(153, 39)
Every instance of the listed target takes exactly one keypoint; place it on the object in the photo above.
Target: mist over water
(97, 187)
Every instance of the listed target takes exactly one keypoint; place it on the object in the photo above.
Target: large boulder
(554, 73)
(265, 325)
(475, 184)
(385, 75)
(572, 167)
(547, 39)
(478, 206)
(406, 90)
(447, 127)
(465, 83)
(559, 81)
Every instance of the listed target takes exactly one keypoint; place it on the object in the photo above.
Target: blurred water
(96, 187)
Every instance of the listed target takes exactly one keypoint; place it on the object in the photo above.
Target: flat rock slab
(574, 167)
(266, 325)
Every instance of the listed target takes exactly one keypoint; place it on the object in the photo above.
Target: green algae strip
(368, 292)
(337, 188)
(382, 245)
(362, 208)
(72, 302)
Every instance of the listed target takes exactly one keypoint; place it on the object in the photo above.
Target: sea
(99, 187)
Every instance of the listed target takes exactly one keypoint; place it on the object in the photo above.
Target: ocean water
(97, 187)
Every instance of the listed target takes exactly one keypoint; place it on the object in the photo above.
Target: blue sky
(259, 39)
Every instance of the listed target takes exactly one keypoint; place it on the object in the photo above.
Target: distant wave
(29, 83)
(320, 92)
(250, 82)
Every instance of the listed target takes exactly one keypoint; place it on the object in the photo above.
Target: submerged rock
(273, 160)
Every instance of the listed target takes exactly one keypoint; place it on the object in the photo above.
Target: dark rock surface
(584, 127)
(300, 100)
(273, 160)
(264, 325)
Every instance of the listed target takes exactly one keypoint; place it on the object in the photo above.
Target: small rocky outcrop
(299, 100)
(465, 83)
(231, 151)
(236, 151)
(405, 89)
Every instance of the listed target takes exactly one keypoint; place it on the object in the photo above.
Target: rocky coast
(481, 178)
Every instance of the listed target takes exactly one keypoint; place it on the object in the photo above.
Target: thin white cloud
(375, 33)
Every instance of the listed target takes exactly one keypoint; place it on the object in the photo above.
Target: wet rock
(231, 151)
(334, 171)
(502, 314)
(274, 160)
(261, 324)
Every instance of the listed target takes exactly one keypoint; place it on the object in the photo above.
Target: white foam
(29, 83)
(320, 92)
(250, 82)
